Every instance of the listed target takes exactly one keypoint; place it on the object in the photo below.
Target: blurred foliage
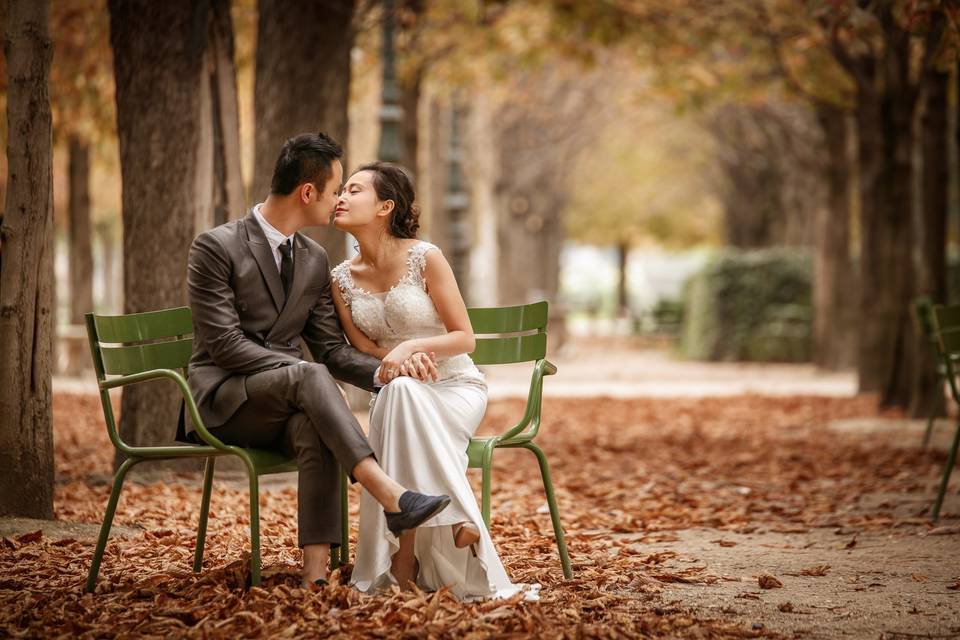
(644, 179)
(749, 306)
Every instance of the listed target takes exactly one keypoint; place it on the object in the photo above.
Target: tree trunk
(935, 183)
(410, 85)
(932, 279)
(834, 279)
(26, 277)
(623, 304)
(220, 142)
(302, 85)
(158, 51)
(81, 250)
(886, 354)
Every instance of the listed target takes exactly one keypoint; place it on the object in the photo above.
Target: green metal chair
(156, 345)
(528, 343)
(946, 327)
(923, 317)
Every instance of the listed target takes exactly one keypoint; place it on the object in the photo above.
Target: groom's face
(324, 200)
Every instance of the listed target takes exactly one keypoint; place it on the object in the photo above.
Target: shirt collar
(274, 237)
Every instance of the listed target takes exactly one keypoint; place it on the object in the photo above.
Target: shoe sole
(443, 504)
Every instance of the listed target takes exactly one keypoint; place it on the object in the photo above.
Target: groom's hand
(421, 366)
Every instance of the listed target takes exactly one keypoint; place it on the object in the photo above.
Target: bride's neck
(376, 247)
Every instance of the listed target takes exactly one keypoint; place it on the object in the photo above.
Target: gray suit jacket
(243, 325)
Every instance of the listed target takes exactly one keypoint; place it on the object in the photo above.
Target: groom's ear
(305, 192)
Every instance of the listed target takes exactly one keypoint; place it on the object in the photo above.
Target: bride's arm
(357, 338)
(443, 289)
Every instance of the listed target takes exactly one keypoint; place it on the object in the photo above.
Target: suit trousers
(299, 410)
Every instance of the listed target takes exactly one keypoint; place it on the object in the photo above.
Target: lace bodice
(405, 312)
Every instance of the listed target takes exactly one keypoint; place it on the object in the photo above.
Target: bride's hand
(390, 367)
(421, 366)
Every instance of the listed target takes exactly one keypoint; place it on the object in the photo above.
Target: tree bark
(302, 85)
(539, 130)
(834, 280)
(932, 266)
(936, 189)
(158, 51)
(410, 85)
(886, 354)
(81, 250)
(26, 277)
(221, 141)
(623, 304)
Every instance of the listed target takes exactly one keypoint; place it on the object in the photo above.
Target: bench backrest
(128, 344)
(132, 343)
(509, 334)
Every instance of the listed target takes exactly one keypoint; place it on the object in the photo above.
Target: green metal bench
(156, 345)
(923, 318)
(136, 348)
(528, 343)
(946, 328)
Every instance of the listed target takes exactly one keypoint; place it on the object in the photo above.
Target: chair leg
(254, 526)
(204, 512)
(947, 470)
(108, 521)
(932, 415)
(344, 519)
(554, 511)
(487, 466)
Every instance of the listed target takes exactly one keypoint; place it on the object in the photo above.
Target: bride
(398, 300)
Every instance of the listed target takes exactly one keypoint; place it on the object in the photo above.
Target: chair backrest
(946, 330)
(509, 334)
(923, 312)
(128, 344)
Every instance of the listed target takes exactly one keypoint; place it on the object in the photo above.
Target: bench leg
(947, 470)
(108, 521)
(934, 405)
(204, 512)
(554, 511)
(487, 467)
(254, 526)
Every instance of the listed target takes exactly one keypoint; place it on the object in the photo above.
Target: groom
(257, 286)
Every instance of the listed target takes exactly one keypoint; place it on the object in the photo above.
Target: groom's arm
(215, 319)
(323, 335)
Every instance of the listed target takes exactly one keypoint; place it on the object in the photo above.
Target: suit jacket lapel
(257, 243)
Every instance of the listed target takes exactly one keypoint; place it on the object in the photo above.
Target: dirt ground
(676, 509)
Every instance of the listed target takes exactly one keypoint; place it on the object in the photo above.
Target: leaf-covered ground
(629, 474)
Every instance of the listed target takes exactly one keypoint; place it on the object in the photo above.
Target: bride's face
(359, 205)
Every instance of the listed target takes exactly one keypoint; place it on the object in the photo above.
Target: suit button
(289, 343)
(267, 344)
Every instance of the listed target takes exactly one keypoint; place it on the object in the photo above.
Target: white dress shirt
(275, 238)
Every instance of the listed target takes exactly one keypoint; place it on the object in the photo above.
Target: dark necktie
(286, 266)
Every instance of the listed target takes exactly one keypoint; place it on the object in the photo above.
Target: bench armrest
(531, 417)
(190, 405)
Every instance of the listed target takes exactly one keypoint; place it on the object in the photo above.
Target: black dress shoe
(320, 582)
(415, 509)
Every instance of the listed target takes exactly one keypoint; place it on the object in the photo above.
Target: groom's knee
(315, 375)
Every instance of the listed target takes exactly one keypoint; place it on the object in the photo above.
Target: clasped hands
(404, 361)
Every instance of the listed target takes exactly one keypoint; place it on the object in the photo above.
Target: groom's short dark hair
(307, 157)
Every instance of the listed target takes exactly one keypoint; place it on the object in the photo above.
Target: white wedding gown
(419, 432)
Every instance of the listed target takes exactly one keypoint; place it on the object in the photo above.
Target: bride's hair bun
(391, 182)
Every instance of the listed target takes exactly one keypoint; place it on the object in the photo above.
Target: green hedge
(749, 306)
